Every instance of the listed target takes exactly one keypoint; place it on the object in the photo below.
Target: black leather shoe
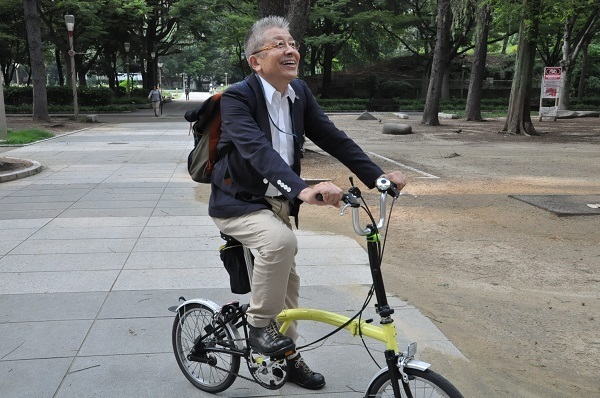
(268, 340)
(300, 374)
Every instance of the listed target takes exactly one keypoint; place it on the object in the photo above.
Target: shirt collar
(270, 91)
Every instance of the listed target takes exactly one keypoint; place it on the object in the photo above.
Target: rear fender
(216, 309)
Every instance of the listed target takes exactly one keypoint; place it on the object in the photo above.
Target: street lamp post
(16, 68)
(127, 47)
(153, 72)
(70, 22)
(3, 127)
(225, 79)
(160, 65)
(462, 76)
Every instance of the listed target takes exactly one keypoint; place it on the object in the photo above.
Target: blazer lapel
(262, 117)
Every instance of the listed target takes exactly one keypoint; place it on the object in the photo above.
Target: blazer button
(265, 181)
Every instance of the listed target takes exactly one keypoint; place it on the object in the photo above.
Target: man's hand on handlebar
(397, 178)
(331, 194)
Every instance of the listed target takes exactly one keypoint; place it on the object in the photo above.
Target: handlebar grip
(393, 190)
(346, 198)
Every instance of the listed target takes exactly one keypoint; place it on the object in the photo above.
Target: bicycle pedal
(290, 353)
(283, 355)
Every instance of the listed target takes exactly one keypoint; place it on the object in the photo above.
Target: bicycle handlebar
(384, 186)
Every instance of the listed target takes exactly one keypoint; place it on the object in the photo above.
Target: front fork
(392, 364)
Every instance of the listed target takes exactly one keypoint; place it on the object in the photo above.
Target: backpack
(207, 132)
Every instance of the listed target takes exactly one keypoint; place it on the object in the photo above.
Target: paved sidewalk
(98, 246)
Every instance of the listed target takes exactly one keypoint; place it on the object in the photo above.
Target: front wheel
(421, 384)
(209, 370)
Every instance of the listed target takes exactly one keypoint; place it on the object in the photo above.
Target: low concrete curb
(35, 168)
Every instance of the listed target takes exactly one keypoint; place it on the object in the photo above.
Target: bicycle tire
(190, 323)
(421, 384)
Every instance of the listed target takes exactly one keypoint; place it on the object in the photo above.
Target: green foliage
(139, 92)
(94, 96)
(15, 95)
(60, 95)
(343, 105)
(25, 109)
(135, 99)
(588, 103)
(21, 137)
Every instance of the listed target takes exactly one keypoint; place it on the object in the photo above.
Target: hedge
(60, 95)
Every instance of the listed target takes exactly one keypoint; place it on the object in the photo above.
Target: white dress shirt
(280, 119)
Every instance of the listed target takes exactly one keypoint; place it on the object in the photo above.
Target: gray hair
(255, 36)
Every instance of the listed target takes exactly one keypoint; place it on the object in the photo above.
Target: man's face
(278, 66)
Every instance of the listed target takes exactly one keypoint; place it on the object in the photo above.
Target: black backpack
(207, 133)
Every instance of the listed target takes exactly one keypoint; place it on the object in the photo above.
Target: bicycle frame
(385, 333)
(396, 360)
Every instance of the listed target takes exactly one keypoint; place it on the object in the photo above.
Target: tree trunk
(565, 63)
(518, 118)
(473, 106)
(571, 52)
(36, 55)
(296, 12)
(584, 68)
(270, 7)
(505, 44)
(57, 60)
(425, 80)
(446, 84)
(439, 64)
(81, 74)
(328, 55)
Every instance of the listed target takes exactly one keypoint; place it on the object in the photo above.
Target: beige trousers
(275, 283)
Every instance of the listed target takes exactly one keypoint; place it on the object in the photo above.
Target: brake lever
(343, 211)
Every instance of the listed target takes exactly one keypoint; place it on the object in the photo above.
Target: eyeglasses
(280, 45)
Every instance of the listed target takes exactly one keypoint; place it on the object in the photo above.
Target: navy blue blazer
(241, 178)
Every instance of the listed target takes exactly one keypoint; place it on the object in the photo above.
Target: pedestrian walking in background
(156, 98)
(187, 93)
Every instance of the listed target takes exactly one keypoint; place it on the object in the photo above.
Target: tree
(518, 118)
(13, 38)
(473, 106)
(36, 56)
(573, 42)
(584, 68)
(439, 64)
(295, 11)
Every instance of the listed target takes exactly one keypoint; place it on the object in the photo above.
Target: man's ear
(254, 64)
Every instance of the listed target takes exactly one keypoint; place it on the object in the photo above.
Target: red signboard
(551, 82)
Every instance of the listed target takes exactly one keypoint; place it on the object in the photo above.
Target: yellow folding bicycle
(208, 345)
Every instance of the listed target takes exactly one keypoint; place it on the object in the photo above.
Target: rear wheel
(209, 371)
(421, 384)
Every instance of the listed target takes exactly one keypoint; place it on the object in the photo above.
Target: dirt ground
(514, 287)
